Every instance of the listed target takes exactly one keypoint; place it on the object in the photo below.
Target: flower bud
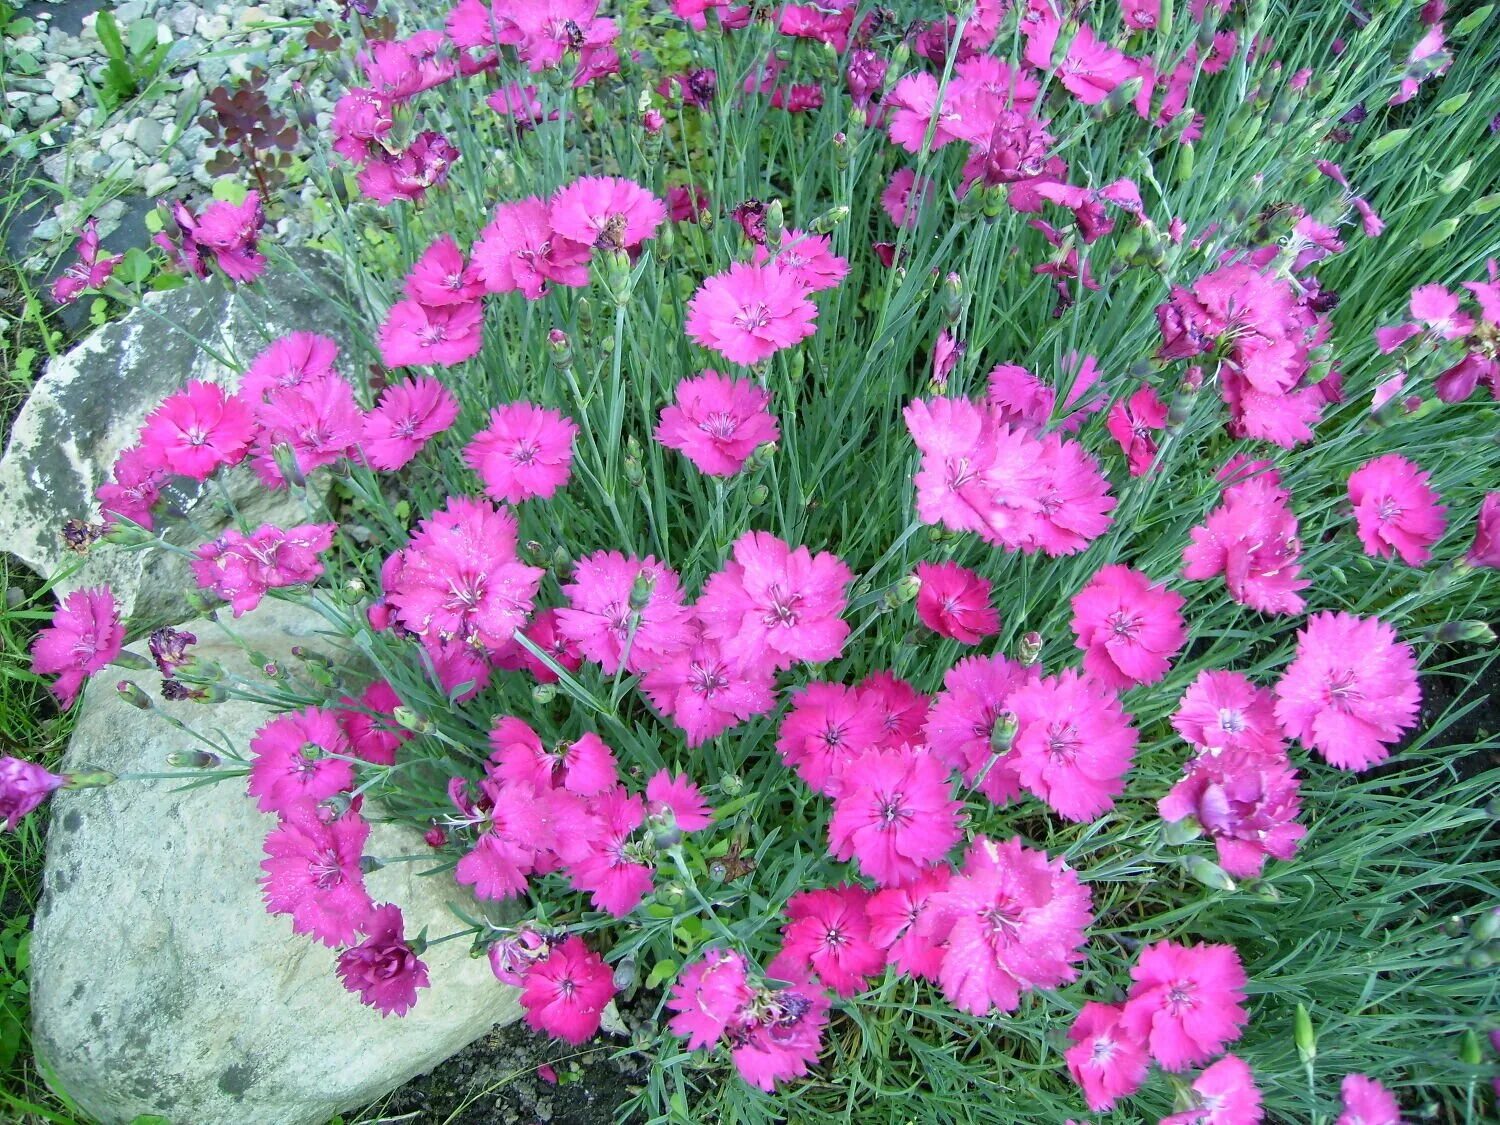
(663, 829)
(1208, 873)
(1469, 1052)
(435, 836)
(585, 313)
(1460, 632)
(134, 696)
(1175, 833)
(1183, 398)
(1003, 734)
(759, 495)
(561, 348)
(122, 533)
(1304, 1036)
(617, 278)
(1030, 651)
(193, 760)
(624, 974)
(641, 588)
(285, 458)
(652, 121)
(411, 720)
(841, 148)
(953, 297)
(1488, 926)
(1122, 96)
(543, 694)
(88, 779)
(731, 784)
(775, 225)
(829, 219)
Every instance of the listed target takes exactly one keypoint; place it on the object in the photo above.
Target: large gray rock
(160, 985)
(91, 401)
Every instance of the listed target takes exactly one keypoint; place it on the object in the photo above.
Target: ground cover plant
(946, 552)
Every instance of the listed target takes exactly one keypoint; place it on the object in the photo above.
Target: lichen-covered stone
(90, 403)
(159, 983)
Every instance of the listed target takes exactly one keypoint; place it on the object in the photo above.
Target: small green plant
(135, 59)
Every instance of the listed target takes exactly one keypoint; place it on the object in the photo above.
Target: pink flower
(1395, 509)
(784, 1030)
(317, 420)
(624, 610)
(416, 335)
(565, 993)
(197, 430)
(297, 357)
(312, 872)
(1187, 1002)
(409, 415)
(1074, 744)
(360, 116)
(586, 766)
(91, 270)
(1128, 629)
(955, 602)
(526, 451)
(232, 233)
(460, 577)
(1105, 1061)
(407, 173)
(710, 997)
(1132, 423)
(678, 796)
(441, 278)
(518, 830)
(966, 720)
(520, 251)
(826, 728)
(1251, 539)
(895, 914)
(383, 968)
(133, 489)
(750, 313)
(1350, 691)
(1486, 547)
(1013, 921)
(808, 258)
(1073, 499)
(894, 814)
(606, 211)
(1224, 1094)
(901, 708)
(904, 198)
(23, 787)
(369, 726)
(1225, 711)
(718, 422)
(298, 755)
(610, 870)
(240, 568)
(775, 604)
(1367, 1102)
(915, 108)
(828, 933)
(704, 693)
(84, 636)
(1246, 801)
(403, 68)
(544, 633)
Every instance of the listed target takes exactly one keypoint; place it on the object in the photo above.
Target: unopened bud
(585, 314)
(775, 221)
(641, 588)
(664, 829)
(193, 760)
(285, 458)
(89, 779)
(829, 219)
(1030, 649)
(953, 297)
(543, 694)
(1437, 234)
(133, 695)
(1469, 1052)
(652, 121)
(759, 495)
(1176, 833)
(561, 560)
(994, 198)
(411, 720)
(617, 279)
(1488, 926)
(435, 836)
(1186, 394)
(731, 784)
(1003, 734)
(1122, 96)
(368, 864)
(123, 534)
(1303, 1035)
(561, 348)
(624, 974)
(1460, 632)
(1208, 873)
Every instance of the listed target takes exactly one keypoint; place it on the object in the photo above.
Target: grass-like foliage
(1082, 305)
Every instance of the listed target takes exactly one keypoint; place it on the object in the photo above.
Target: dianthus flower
(416, 335)
(318, 421)
(460, 577)
(231, 232)
(904, 198)
(776, 604)
(409, 173)
(966, 724)
(91, 270)
(1013, 921)
(606, 211)
(408, 415)
(198, 430)
(585, 766)
(894, 814)
(1128, 629)
(718, 422)
(373, 733)
(1132, 423)
(1350, 691)
(360, 117)
(526, 451)
(780, 1034)
(312, 872)
(710, 997)
(1073, 500)
(23, 787)
(612, 871)
(384, 969)
(828, 933)
(517, 831)
(403, 68)
(1107, 1063)
(1485, 550)
(1090, 69)
(677, 797)
(1395, 509)
(955, 602)
(240, 568)
(1187, 1002)
(808, 258)
(914, 108)
(544, 633)
(1247, 803)
(133, 489)
(895, 914)
(564, 994)
(297, 357)
(1224, 1094)
(750, 313)
(704, 692)
(519, 251)
(624, 610)
(299, 755)
(824, 730)
(84, 636)
(1074, 744)
(1224, 711)
(1366, 1102)
(1251, 539)
(902, 709)
(440, 277)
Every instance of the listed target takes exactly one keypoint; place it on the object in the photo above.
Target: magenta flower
(384, 969)
(826, 728)
(903, 198)
(967, 717)
(403, 68)
(828, 933)
(611, 871)
(312, 872)
(710, 997)
(361, 116)
(1128, 629)
(704, 693)
(1485, 550)
(750, 313)
(526, 451)
(84, 636)
(564, 994)
(299, 755)
(409, 415)
(440, 276)
(1187, 1002)
(231, 232)
(809, 258)
(1074, 744)
(240, 568)
(586, 766)
(297, 357)
(416, 335)
(368, 724)
(1013, 921)
(91, 270)
(1132, 423)
(679, 797)
(894, 814)
(1395, 509)
(624, 610)
(1224, 711)
(895, 914)
(1350, 691)
(955, 602)
(317, 420)
(717, 422)
(197, 430)
(1251, 539)
(1107, 1063)
(520, 251)
(777, 605)
(1224, 1094)
(544, 633)
(23, 787)
(518, 829)
(782, 1032)
(901, 708)
(408, 173)
(606, 211)
(1247, 803)
(133, 489)
(1367, 1102)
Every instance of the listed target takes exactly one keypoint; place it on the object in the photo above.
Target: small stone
(122, 152)
(182, 20)
(18, 98)
(46, 230)
(158, 180)
(146, 134)
(211, 28)
(30, 44)
(128, 12)
(64, 82)
(42, 110)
